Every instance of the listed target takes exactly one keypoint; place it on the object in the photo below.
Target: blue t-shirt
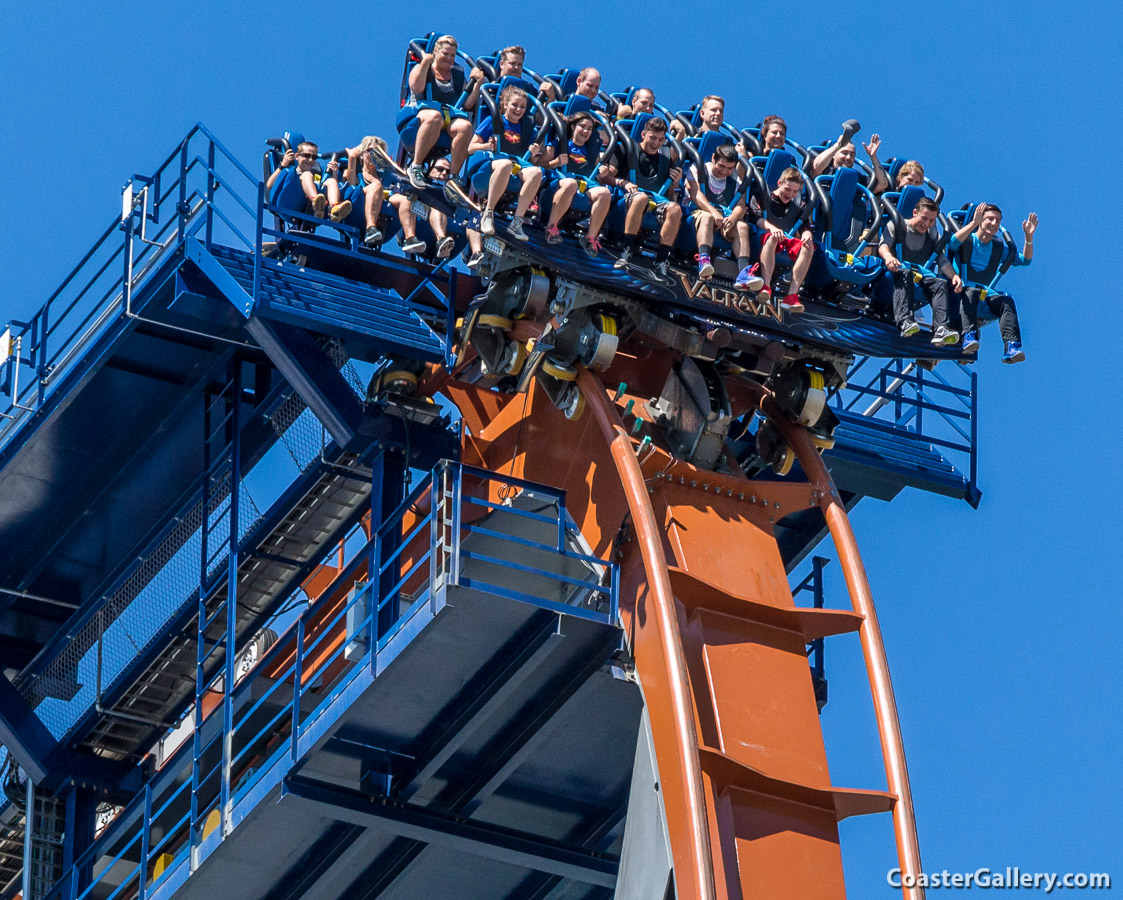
(983, 259)
(516, 137)
(582, 159)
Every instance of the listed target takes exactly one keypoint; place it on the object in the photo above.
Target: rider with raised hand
(576, 163)
(362, 176)
(977, 257)
(308, 172)
(918, 244)
(514, 141)
(436, 84)
(786, 209)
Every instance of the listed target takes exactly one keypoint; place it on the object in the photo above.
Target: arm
(885, 251)
(353, 155)
(880, 182)
(965, 232)
(420, 74)
(483, 139)
(287, 160)
(475, 79)
(823, 157)
(1029, 226)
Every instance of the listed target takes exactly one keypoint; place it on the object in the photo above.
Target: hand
(427, 59)
(534, 150)
(353, 152)
(1029, 226)
(477, 74)
(675, 175)
(562, 160)
(333, 166)
(957, 284)
(893, 264)
(491, 144)
(808, 243)
(728, 227)
(873, 146)
(719, 221)
(288, 159)
(977, 218)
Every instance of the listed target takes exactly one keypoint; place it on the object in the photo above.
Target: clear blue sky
(1002, 624)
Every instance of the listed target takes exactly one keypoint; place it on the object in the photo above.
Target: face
(787, 191)
(652, 141)
(582, 131)
(643, 101)
(923, 219)
(722, 168)
(445, 55)
(516, 106)
(844, 158)
(774, 136)
(913, 177)
(712, 114)
(588, 87)
(306, 155)
(991, 221)
(511, 64)
(440, 170)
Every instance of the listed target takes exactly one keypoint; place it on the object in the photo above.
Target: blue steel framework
(197, 195)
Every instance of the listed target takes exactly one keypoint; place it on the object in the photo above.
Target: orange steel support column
(696, 879)
(873, 646)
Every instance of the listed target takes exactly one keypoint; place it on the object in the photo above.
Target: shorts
(696, 214)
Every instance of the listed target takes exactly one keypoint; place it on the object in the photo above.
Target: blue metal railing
(938, 406)
(285, 703)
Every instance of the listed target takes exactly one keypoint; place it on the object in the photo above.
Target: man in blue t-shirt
(977, 257)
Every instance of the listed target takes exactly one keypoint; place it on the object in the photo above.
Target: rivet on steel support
(740, 496)
(694, 484)
(681, 480)
(752, 499)
(705, 487)
(777, 504)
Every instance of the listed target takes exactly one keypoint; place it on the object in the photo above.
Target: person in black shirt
(916, 246)
(786, 209)
(650, 178)
(436, 84)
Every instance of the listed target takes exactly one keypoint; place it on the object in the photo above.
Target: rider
(717, 204)
(785, 210)
(977, 256)
(576, 164)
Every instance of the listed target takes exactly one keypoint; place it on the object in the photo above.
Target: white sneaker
(487, 222)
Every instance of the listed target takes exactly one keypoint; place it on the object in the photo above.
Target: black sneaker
(623, 261)
(515, 229)
(372, 237)
(413, 245)
(475, 259)
(444, 247)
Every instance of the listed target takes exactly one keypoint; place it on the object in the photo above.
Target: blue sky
(1002, 624)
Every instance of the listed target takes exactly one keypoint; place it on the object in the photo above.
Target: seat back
(848, 210)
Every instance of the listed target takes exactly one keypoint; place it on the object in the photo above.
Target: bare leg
(600, 197)
(331, 190)
(308, 185)
(428, 131)
(563, 199)
(705, 229)
(372, 202)
(672, 220)
(768, 258)
(633, 217)
(438, 221)
(532, 180)
(497, 186)
(802, 264)
(475, 240)
(404, 209)
(460, 130)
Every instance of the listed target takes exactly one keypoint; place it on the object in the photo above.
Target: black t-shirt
(446, 93)
(783, 215)
(651, 169)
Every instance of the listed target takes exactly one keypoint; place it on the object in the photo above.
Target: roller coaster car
(848, 221)
(407, 123)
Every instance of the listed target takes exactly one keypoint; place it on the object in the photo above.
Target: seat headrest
(776, 162)
(909, 197)
(844, 192)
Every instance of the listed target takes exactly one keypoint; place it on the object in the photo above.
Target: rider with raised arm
(653, 178)
(436, 84)
(977, 257)
(307, 173)
(499, 152)
(575, 164)
(786, 209)
(918, 244)
(364, 183)
(717, 206)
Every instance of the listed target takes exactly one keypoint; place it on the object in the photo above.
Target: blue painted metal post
(974, 465)
(297, 676)
(450, 323)
(145, 841)
(257, 243)
(28, 837)
(181, 207)
(41, 368)
(212, 183)
(231, 588)
(454, 539)
(919, 400)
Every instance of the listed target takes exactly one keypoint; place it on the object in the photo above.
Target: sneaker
(791, 303)
(662, 271)
(444, 246)
(413, 245)
(372, 236)
(475, 259)
(591, 246)
(705, 267)
(417, 177)
(1014, 352)
(944, 336)
(747, 281)
(909, 328)
(624, 259)
(515, 229)
(553, 235)
(487, 222)
(341, 211)
(320, 206)
(970, 342)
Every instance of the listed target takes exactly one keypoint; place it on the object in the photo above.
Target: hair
(791, 173)
(710, 97)
(373, 140)
(444, 39)
(505, 97)
(927, 203)
(311, 144)
(990, 207)
(513, 50)
(641, 90)
(441, 158)
(579, 116)
(772, 120)
(726, 153)
(655, 125)
(909, 168)
(583, 75)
